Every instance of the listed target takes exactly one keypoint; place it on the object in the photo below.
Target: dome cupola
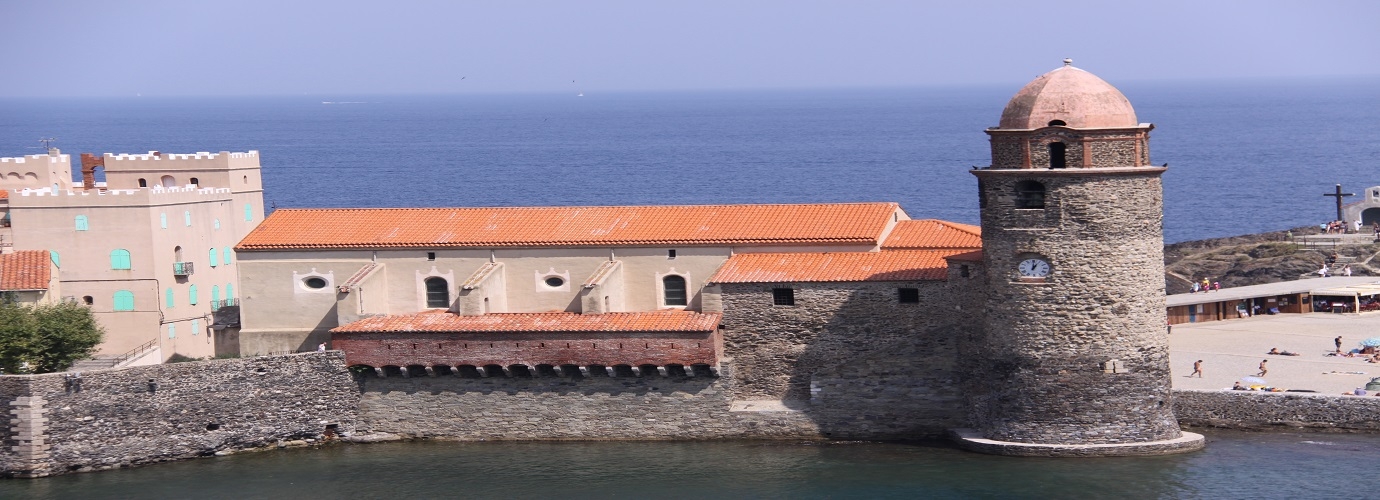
(1070, 97)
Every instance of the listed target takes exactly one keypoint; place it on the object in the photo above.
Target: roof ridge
(547, 207)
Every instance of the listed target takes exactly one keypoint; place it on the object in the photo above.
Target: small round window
(314, 283)
(554, 282)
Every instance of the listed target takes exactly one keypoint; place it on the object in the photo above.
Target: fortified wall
(69, 422)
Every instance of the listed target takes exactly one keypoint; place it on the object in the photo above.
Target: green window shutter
(119, 259)
(225, 256)
(214, 260)
(163, 220)
(172, 331)
(187, 216)
(229, 291)
(215, 296)
(81, 223)
(196, 326)
(248, 212)
(124, 300)
(168, 298)
(57, 259)
(191, 295)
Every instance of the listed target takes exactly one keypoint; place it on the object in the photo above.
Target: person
(1346, 270)
(1236, 386)
(1263, 369)
(1217, 286)
(1273, 350)
(321, 347)
(1359, 391)
(1195, 287)
(1197, 369)
(1338, 341)
(1323, 272)
(1376, 228)
(1206, 285)
(1358, 226)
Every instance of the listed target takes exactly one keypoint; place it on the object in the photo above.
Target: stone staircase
(97, 363)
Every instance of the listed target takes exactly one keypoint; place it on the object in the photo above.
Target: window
(168, 298)
(215, 223)
(196, 324)
(1056, 155)
(168, 181)
(191, 295)
(431, 256)
(143, 183)
(437, 293)
(119, 259)
(172, 331)
(671, 254)
(196, 183)
(163, 220)
(229, 292)
(783, 296)
(225, 255)
(177, 253)
(673, 290)
(965, 271)
(908, 295)
(248, 212)
(215, 297)
(314, 283)
(81, 223)
(57, 259)
(187, 218)
(89, 300)
(124, 300)
(1030, 194)
(554, 282)
(1057, 123)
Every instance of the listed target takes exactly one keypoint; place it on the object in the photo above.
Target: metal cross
(1338, 195)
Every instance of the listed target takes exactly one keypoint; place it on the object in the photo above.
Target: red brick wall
(532, 349)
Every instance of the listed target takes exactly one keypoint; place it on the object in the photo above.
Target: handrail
(136, 352)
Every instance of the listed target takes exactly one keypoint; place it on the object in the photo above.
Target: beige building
(304, 272)
(151, 250)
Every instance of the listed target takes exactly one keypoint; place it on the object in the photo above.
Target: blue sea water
(1244, 156)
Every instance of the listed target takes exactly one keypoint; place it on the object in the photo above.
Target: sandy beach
(1234, 348)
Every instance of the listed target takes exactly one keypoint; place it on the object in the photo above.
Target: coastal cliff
(1254, 259)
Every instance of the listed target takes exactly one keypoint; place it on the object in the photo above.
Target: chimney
(89, 162)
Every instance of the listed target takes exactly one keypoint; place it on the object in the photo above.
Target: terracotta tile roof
(446, 322)
(25, 270)
(358, 277)
(973, 256)
(888, 265)
(480, 275)
(605, 270)
(684, 225)
(4, 194)
(933, 234)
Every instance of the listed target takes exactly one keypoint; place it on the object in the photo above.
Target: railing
(217, 304)
(136, 352)
(182, 269)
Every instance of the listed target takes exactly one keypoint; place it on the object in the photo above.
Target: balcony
(217, 304)
(182, 269)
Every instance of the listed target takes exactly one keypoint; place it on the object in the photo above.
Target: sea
(1243, 156)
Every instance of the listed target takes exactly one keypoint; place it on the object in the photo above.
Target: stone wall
(129, 416)
(1249, 410)
(378, 349)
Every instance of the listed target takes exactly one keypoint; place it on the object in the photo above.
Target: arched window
(673, 290)
(229, 291)
(437, 293)
(215, 297)
(215, 258)
(177, 253)
(143, 183)
(168, 298)
(1056, 155)
(215, 223)
(1030, 194)
(81, 223)
(225, 256)
(168, 181)
(1057, 123)
(191, 295)
(119, 259)
(196, 183)
(123, 301)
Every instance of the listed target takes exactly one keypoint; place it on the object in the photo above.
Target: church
(1039, 333)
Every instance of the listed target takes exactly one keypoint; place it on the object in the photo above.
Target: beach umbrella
(1253, 380)
(1371, 342)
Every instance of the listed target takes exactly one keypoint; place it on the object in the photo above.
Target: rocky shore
(1254, 259)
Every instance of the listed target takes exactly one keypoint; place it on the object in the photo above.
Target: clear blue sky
(285, 47)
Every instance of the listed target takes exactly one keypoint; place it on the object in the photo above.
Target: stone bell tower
(1073, 356)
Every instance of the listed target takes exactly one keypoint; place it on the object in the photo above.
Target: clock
(1033, 268)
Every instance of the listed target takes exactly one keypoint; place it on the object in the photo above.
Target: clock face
(1033, 268)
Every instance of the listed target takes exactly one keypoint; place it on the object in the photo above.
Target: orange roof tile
(4, 194)
(932, 234)
(973, 256)
(25, 270)
(446, 322)
(570, 226)
(889, 265)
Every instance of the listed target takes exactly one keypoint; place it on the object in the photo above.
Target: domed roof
(1078, 98)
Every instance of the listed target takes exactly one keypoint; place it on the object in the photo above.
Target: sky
(101, 48)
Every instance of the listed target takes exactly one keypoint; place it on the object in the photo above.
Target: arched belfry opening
(1057, 157)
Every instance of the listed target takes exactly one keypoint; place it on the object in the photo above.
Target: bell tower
(1073, 356)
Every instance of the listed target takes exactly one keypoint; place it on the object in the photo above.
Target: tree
(46, 338)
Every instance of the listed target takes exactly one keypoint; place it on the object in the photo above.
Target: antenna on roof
(47, 142)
